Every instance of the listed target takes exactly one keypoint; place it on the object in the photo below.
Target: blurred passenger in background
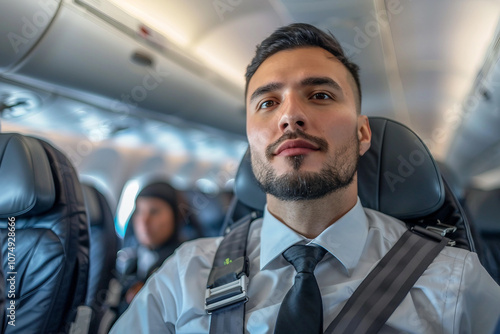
(156, 224)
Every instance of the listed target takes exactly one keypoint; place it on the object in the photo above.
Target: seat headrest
(26, 177)
(246, 188)
(396, 176)
(92, 205)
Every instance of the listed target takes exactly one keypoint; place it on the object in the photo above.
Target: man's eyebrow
(265, 89)
(318, 81)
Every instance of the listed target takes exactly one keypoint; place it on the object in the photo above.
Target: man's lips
(295, 147)
(295, 143)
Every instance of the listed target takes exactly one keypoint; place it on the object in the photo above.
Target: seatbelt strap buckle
(227, 294)
(433, 234)
(227, 284)
(441, 229)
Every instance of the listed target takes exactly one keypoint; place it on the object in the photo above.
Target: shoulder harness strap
(385, 287)
(226, 292)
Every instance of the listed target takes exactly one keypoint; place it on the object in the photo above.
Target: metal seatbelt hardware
(436, 232)
(227, 284)
(226, 295)
(443, 230)
(426, 232)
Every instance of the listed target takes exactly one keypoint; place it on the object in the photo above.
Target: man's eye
(267, 104)
(321, 96)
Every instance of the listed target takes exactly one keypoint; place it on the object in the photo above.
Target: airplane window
(126, 206)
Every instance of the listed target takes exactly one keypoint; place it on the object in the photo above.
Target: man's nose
(293, 115)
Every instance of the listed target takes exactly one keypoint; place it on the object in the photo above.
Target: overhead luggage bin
(23, 24)
(106, 57)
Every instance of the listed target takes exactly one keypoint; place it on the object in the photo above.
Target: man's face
(302, 125)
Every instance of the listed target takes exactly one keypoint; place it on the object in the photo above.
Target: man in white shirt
(306, 135)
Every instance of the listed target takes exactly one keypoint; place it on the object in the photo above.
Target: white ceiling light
(17, 105)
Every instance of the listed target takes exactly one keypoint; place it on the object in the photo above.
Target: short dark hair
(298, 35)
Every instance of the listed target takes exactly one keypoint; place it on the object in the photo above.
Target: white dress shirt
(454, 295)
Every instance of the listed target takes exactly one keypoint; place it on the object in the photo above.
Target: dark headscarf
(165, 192)
(182, 212)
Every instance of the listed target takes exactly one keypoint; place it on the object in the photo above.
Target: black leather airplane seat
(103, 249)
(396, 176)
(41, 191)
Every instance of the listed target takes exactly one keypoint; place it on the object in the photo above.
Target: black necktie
(302, 310)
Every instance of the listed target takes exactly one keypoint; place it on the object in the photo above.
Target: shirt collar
(345, 239)
(275, 238)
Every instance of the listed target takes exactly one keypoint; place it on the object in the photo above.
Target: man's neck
(311, 217)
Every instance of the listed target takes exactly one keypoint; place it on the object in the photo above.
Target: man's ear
(364, 134)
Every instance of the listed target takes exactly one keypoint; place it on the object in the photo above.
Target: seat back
(396, 176)
(103, 249)
(41, 191)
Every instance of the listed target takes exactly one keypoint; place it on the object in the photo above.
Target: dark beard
(296, 186)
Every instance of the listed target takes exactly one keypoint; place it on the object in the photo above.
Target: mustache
(297, 134)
